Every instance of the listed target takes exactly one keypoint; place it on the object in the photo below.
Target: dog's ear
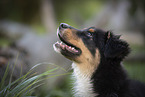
(115, 47)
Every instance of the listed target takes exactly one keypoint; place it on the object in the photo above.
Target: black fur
(110, 79)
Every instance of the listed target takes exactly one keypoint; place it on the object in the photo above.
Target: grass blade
(4, 77)
(25, 83)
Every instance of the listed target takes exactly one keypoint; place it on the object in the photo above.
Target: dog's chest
(83, 86)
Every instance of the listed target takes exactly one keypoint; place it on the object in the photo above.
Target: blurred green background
(28, 28)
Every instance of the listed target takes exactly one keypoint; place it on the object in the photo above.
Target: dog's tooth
(73, 48)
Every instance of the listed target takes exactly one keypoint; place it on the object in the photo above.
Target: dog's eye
(89, 34)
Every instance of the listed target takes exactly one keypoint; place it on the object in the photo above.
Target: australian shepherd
(97, 67)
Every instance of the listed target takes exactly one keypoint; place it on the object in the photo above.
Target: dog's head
(89, 45)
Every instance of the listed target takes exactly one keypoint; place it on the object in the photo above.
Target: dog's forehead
(90, 29)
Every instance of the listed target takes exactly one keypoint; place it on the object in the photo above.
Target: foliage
(25, 85)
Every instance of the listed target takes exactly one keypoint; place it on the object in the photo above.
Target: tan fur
(91, 30)
(86, 61)
(88, 67)
(84, 65)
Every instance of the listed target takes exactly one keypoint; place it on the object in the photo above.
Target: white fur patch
(83, 85)
(56, 49)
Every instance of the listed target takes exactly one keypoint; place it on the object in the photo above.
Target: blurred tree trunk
(138, 6)
(47, 15)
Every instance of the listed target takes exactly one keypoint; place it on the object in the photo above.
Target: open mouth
(66, 48)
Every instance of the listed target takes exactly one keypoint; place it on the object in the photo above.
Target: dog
(97, 67)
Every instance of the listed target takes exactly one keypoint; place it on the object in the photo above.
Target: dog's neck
(109, 78)
(89, 80)
(83, 86)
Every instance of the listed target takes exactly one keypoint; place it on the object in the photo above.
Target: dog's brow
(91, 30)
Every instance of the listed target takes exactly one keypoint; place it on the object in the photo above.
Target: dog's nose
(63, 25)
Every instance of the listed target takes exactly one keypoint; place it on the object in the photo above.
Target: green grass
(25, 85)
